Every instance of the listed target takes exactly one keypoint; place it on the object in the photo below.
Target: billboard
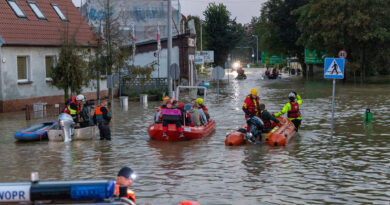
(145, 15)
(207, 55)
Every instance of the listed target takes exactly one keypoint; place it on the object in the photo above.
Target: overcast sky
(242, 9)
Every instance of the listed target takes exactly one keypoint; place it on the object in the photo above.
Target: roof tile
(34, 31)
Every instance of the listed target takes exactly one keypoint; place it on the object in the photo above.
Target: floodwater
(350, 168)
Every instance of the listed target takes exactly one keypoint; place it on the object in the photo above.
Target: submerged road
(352, 168)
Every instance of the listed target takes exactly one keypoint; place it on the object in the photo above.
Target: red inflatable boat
(278, 136)
(156, 133)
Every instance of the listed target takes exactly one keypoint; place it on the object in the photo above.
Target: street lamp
(257, 48)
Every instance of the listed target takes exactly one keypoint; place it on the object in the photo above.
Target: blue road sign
(334, 68)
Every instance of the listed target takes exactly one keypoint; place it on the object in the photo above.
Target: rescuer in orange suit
(125, 177)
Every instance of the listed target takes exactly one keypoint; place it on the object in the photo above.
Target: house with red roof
(31, 35)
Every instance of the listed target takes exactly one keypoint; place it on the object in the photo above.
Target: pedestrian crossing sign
(334, 68)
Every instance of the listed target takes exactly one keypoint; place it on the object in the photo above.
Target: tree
(69, 73)
(223, 33)
(277, 28)
(361, 27)
(198, 25)
(111, 55)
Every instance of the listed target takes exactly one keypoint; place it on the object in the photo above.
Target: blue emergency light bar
(59, 190)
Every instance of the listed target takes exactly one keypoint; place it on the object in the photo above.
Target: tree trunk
(345, 73)
(364, 64)
(311, 72)
(98, 87)
(361, 65)
(305, 70)
(66, 94)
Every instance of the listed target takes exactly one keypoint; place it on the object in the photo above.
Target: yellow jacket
(287, 107)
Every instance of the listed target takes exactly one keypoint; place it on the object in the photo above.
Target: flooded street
(352, 167)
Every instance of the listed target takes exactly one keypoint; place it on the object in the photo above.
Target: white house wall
(1, 75)
(39, 87)
(144, 59)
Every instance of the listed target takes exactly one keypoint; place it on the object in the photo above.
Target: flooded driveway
(352, 167)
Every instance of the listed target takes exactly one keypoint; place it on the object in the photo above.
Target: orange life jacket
(130, 193)
(99, 114)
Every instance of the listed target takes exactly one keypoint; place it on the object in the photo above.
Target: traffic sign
(342, 54)
(267, 59)
(334, 68)
(113, 81)
(218, 73)
(174, 71)
(311, 57)
(199, 60)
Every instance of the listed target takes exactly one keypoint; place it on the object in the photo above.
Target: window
(23, 68)
(59, 12)
(15, 7)
(36, 10)
(50, 62)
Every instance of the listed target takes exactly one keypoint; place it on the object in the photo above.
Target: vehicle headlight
(236, 65)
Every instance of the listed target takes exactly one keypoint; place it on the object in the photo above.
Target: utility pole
(201, 37)
(169, 48)
(257, 48)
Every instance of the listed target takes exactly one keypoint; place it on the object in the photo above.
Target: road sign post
(174, 72)
(217, 74)
(334, 69)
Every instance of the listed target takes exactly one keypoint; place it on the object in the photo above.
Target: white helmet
(80, 97)
(291, 95)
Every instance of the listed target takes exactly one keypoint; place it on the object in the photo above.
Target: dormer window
(59, 12)
(36, 10)
(15, 7)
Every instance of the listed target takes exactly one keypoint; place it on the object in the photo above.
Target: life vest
(294, 112)
(267, 122)
(205, 111)
(130, 193)
(171, 114)
(187, 118)
(252, 105)
(99, 114)
(204, 108)
(68, 109)
(267, 72)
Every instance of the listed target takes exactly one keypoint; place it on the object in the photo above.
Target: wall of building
(142, 59)
(1, 65)
(183, 56)
(15, 95)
